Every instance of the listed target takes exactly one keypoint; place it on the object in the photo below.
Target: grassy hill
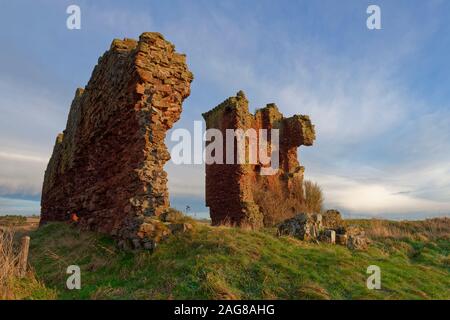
(232, 263)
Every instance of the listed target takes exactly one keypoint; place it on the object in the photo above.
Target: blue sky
(380, 99)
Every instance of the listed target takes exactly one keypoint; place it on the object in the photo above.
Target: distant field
(231, 263)
(21, 224)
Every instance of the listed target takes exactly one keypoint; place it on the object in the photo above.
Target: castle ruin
(107, 165)
(230, 187)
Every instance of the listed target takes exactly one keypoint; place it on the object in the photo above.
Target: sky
(379, 99)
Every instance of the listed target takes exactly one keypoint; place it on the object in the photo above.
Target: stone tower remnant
(107, 165)
(230, 187)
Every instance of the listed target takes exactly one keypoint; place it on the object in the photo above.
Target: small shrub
(313, 197)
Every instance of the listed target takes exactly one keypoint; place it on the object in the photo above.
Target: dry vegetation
(313, 196)
(8, 262)
(306, 197)
(15, 282)
(425, 230)
(12, 220)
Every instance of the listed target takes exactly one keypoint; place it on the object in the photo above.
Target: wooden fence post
(23, 262)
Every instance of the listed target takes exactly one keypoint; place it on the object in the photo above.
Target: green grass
(231, 263)
(28, 288)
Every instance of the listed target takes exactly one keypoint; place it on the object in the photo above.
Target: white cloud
(377, 197)
(23, 157)
(186, 180)
(30, 120)
(21, 174)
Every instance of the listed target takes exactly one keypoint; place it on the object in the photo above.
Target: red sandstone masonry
(107, 165)
(229, 187)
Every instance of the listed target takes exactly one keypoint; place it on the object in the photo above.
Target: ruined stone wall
(230, 187)
(107, 165)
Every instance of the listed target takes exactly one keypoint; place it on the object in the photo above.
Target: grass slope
(231, 263)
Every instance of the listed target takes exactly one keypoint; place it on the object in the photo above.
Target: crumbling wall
(230, 187)
(107, 165)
